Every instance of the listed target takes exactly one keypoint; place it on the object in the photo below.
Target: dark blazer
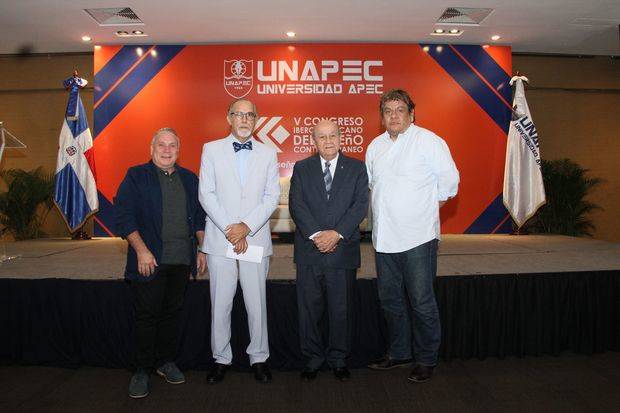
(138, 207)
(343, 212)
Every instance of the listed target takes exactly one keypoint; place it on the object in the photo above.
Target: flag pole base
(80, 235)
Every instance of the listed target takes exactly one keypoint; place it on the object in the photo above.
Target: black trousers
(157, 306)
(316, 287)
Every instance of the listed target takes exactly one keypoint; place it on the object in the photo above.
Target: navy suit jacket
(343, 212)
(138, 207)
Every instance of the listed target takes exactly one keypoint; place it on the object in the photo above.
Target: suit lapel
(155, 193)
(339, 175)
(316, 172)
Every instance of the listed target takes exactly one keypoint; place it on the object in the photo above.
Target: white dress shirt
(242, 157)
(332, 165)
(408, 178)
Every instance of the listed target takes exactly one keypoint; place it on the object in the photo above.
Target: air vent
(464, 16)
(118, 16)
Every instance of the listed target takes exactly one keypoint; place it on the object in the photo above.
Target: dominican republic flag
(524, 191)
(76, 190)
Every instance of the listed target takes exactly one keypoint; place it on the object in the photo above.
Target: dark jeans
(405, 280)
(316, 286)
(157, 305)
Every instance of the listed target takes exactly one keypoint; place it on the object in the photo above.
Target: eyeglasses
(241, 115)
(400, 111)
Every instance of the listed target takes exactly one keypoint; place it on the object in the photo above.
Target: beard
(244, 133)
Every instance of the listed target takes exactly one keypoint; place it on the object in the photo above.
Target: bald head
(326, 136)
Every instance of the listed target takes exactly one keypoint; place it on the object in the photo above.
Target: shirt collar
(234, 139)
(408, 132)
(332, 162)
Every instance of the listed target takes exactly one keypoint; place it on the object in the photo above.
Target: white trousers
(223, 274)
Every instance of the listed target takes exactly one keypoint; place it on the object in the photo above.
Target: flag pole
(75, 188)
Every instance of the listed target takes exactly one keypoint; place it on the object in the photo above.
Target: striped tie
(327, 177)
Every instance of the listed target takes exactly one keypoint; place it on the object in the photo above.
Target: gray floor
(569, 383)
(104, 258)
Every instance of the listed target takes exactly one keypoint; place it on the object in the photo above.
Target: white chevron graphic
(268, 131)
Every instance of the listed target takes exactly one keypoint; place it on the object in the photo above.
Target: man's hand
(241, 246)
(326, 241)
(201, 263)
(236, 232)
(146, 263)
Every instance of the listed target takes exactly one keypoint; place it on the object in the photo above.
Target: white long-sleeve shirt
(408, 178)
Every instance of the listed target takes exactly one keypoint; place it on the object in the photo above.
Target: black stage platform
(83, 319)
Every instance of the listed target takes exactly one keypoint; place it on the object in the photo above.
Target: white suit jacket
(227, 202)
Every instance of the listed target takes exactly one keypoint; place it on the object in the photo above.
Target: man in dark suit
(328, 200)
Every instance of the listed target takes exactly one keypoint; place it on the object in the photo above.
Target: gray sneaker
(171, 373)
(139, 385)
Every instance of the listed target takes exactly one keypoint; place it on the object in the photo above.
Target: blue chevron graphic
(114, 103)
(472, 84)
(490, 218)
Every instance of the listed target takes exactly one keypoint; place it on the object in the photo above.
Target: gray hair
(161, 132)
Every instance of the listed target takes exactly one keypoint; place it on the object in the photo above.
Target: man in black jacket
(328, 200)
(157, 211)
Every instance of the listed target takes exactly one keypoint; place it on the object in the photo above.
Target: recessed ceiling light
(154, 53)
(496, 37)
(86, 39)
(134, 33)
(439, 49)
(97, 47)
(485, 46)
(426, 48)
(443, 32)
(139, 51)
(291, 34)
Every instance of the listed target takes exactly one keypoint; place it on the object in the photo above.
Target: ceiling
(529, 26)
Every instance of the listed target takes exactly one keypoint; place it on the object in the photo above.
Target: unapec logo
(238, 77)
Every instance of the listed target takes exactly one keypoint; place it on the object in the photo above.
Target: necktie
(238, 146)
(327, 178)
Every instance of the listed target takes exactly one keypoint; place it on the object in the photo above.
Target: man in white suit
(239, 190)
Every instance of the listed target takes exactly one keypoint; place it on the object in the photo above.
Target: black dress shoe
(342, 373)
(261, 372)
(421, 373)
(389, 364)
(217, 373)
(308, 374)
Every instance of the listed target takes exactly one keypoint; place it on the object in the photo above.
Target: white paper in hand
(254, 253)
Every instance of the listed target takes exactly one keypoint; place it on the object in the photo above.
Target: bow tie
(238, 146)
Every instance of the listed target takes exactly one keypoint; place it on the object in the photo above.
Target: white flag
(524, 191)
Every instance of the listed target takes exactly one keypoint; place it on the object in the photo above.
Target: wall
(575, 103)
(32, 107)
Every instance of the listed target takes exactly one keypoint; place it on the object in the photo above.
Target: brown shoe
(421, 373)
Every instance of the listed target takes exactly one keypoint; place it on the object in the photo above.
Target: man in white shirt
(411, 175)
(239, 189)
